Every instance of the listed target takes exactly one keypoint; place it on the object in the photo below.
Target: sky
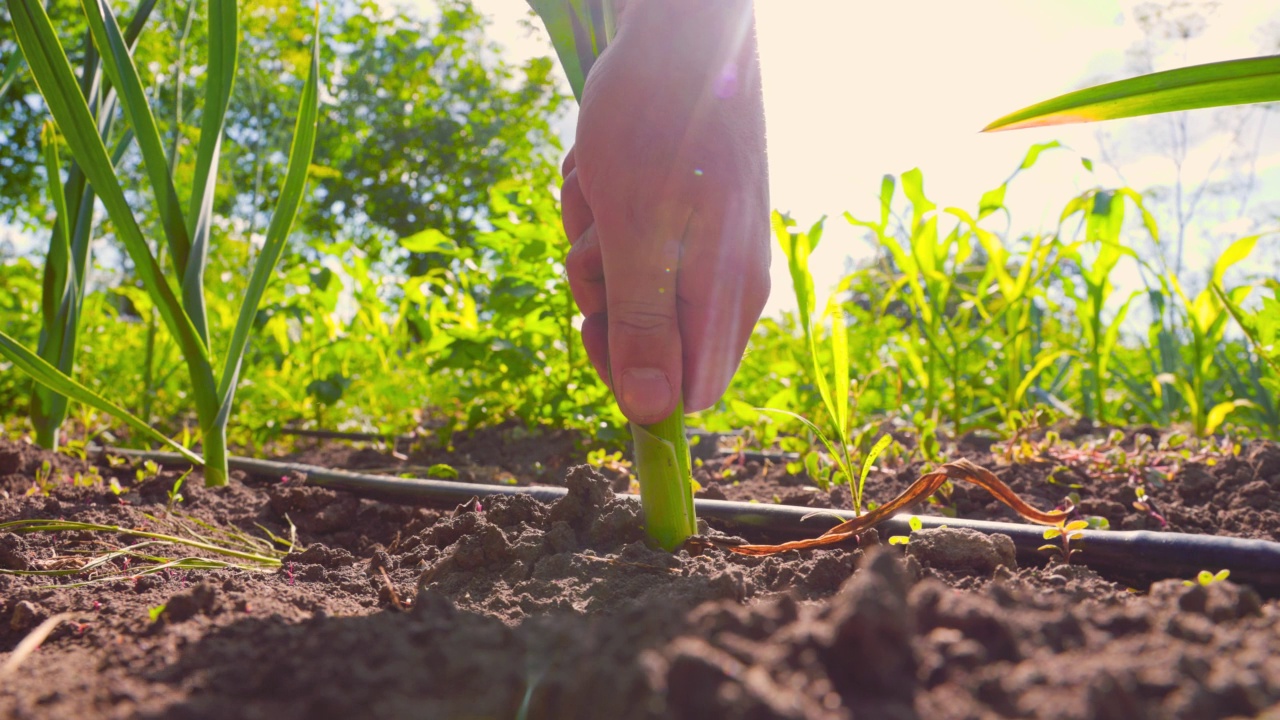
(856, 89)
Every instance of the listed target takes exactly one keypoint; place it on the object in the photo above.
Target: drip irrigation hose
(1135, 558)
(705, 448)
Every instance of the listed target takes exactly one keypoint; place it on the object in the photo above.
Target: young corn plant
(1261, 327)
(1102, 214)
(1233, 82)
(180, 296)
(798, 246)
(580, 30)
(1207, 319)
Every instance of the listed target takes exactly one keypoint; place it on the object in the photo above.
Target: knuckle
(640, 318)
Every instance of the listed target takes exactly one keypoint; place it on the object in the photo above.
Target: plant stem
(215, 455)
(666, 480)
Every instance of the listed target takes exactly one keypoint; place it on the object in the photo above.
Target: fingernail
(646, 393)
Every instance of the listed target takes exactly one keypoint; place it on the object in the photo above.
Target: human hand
(666, 201)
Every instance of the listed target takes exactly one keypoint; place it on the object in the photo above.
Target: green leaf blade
(1233, 82)
(49, 376)
(53, 75)
(300, 156)
(223, 47)
(118, 62)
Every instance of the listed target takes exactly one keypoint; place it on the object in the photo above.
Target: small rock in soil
(199, 598)
(14, 553)
(962, 550)
(26, 615)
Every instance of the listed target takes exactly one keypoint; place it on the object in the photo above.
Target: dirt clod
(962, 550)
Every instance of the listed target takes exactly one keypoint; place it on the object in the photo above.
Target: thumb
(643, 328)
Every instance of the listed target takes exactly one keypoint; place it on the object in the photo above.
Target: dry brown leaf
(922, 488)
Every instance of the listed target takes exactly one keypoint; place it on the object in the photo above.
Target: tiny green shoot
(1205, 578)
(1067, 533)
(175, 494)
(914, 523)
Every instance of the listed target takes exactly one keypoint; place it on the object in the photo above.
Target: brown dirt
(517, 609)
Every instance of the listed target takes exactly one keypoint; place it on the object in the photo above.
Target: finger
(585, 269)
(640, 254)
(724, 286)
(570, 162)
(574, 210)
(595, 338)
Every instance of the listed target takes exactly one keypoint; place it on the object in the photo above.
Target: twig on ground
(31, 642)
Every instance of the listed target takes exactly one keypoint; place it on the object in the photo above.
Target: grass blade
(120, 68)
(220, 76)
(10, 74)
(59, 301)
(59, 382)
(1234, 82)
(300, 155)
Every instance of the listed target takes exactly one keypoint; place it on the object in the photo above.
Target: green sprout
(1205, 578)
(175, 494)
(1069, 533)
(914, 523)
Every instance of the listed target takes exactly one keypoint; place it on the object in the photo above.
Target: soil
(515, 609)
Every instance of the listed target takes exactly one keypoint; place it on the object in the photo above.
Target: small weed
(1143, 504)
(43, 481)
(1206, 578)
(1068, 533)
(148, 471)
(914, 523)
(175, 494)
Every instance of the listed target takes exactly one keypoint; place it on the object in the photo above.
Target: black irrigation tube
(748, 455)
(1131, 557)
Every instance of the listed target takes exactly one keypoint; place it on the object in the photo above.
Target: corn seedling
(1233, 82)
(1262, 328)
(961, 308)
(43, 480)
(838, 401)
(1102, 214)
(175, 492)
(188, 235)
(1207, 318)
(580, 31)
